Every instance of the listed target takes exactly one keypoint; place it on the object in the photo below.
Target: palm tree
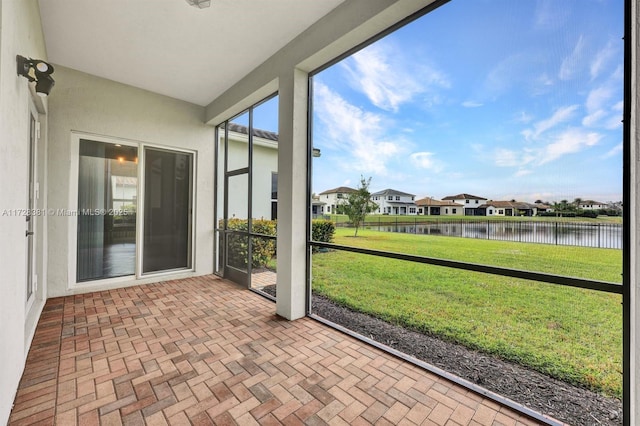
(577, 203)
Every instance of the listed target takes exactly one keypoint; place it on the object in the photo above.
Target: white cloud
(599, 97)
(359, 133)
(548, 15)
(615, 119)
(547, 148)
(570, 141)
(602, 58)
(523, 172)
(603, 105)
(561, 115)
(571, 63)
(506, 158)
(523, 117)
(614, 151)
(425, 160)
(593, 119)
(472, 104)
(390, 79)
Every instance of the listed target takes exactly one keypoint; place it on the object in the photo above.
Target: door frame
(32, 214)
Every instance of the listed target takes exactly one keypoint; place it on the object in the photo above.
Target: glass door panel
(107, 198)
(167, 210)
(237, 227)
(264, 195)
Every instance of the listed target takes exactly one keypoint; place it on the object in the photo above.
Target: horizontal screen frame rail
(604, 286)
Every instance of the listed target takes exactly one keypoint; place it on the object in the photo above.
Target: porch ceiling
(169, 47)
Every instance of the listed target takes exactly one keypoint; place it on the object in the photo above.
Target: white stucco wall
(20, 34)
(265, 162)
(92, 105)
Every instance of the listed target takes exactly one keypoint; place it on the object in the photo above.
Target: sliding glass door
(110, 235)
(167, 210)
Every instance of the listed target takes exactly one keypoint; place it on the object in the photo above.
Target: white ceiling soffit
(169, 47)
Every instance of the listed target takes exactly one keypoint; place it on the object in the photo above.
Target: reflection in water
(600, 235)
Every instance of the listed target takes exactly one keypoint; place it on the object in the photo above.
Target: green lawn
(568, 333)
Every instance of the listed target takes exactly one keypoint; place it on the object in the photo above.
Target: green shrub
(557, 214)
(322, 230)
(588, 213)
(262, 249)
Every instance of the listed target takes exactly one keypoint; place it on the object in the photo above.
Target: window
(390, 198)
(274, 196)
(412, 210)
(274, 185)
(397, 198)
(500, 211)
(490, 211)
(454, 211)
(476, 201)
(466, 201)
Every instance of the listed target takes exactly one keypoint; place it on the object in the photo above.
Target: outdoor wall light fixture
(41, 73)
(201, 4)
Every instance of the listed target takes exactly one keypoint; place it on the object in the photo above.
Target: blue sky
(498, 98)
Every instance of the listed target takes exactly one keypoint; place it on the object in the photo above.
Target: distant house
(390, 201)
(592, 205)
(431, 207)
(317, 206)
(470, 203)
(332, 198)
(510, 208)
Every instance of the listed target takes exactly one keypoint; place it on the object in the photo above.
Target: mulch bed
(541, 393)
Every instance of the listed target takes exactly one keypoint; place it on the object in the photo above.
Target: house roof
(338, 190)
(437, 203)
(463, 197)
(389, 191)
(233, 127)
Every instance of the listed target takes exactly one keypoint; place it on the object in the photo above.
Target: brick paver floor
(204, 351)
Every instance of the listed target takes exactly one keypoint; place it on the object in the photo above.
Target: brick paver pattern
(204, 351)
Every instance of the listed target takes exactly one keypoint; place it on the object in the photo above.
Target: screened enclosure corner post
(292, 194)
(217, 213)
(631, 212)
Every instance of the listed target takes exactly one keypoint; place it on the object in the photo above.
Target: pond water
(601, 235)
